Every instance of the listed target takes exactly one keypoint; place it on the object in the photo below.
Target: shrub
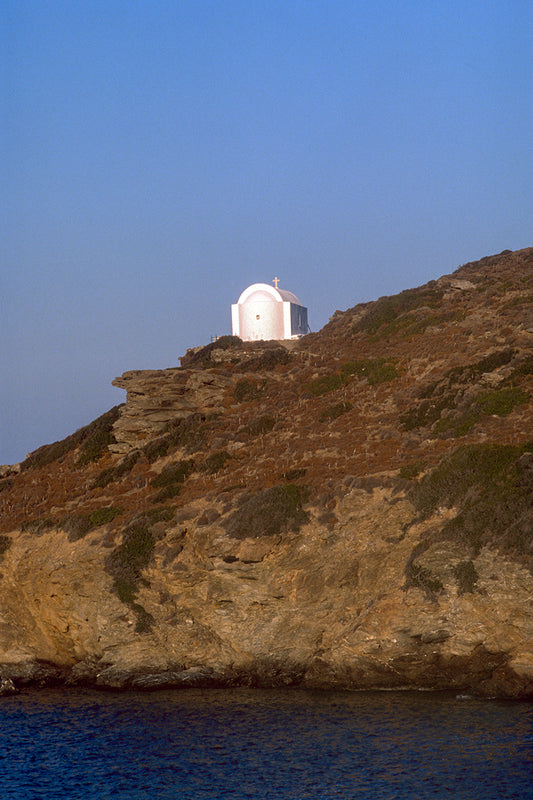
(99, 435)
(96, 436)
(491, 486)
(422, 578)
(94, 447)
(427, 412)
(269, 512)
(333, 412)
(167, 493)
(104, 515)
(269, 359)
(5, 543)
(158, 448)
(80, 525)
(174, 473)
(215, 462)
(144, 619)
(161, 514)
(189, 433)
(294, 474)
(445, 395)
(472, 372)
(523, 368)
(112, 474)
(38, 526)
(499, 402)
(327, 383)
(203, 356)
(125, 565)
(459, 472)
(466, 576)
(170, 479)
(77, 526)
(260, 426)
(387, 310)
(248, 389)
(375, 370)
(412, 470)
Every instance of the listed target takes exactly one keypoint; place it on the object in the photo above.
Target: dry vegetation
(394, 385)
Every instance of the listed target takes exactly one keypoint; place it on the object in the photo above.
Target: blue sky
(158, 157)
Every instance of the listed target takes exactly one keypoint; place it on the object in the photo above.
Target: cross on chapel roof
(275, 282)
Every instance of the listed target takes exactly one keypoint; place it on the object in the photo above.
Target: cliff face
(354, 510)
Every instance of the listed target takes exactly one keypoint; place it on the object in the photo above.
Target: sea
(277, 744)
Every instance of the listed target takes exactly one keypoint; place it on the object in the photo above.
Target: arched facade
(266, 312)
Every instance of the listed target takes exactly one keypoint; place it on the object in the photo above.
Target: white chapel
(267, 312)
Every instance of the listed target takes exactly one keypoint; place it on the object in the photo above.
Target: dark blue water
(263, 744)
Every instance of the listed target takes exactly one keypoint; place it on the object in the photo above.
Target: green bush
(422, 578)
(144, 619)
(204, 356)
(80, 525)
(522, 369)
(77, 526)
(333, 412)
(387, 310)
(6, 484)
(112, 474)
(5, 543)
(491, 486)
(189, 433)
(269, 359)
(427, 412)
(466, 576)
(101, 516)
(294, 474)
(499, 402)
(260, 426)
(153, 515)
(327, 383)
(247, 389)
(167, 493)
(158, 448)
(412, 470)
(215, 462)
(125, 565)
(445, 395)
(269, 512)
(375, 370)
(471, 372)
(170, 480)
(94, 438)
(174, 473)
(95, 447)
(38, 526)
(408, 324)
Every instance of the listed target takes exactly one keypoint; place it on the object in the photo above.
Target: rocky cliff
(352, 510)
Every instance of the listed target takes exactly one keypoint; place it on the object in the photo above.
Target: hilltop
(353, 509)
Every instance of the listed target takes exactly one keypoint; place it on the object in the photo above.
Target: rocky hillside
(351, 510)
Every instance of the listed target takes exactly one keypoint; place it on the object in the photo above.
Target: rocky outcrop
(351, 512)
(157, 397)
(354, 603)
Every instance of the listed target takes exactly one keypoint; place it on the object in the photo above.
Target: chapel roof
(263, 292)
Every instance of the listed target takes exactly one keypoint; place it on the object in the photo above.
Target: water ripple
(282, 745)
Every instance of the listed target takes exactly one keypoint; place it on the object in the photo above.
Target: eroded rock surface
(352, 511)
